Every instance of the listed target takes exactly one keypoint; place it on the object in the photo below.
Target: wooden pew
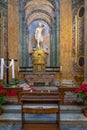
(13, 100)
(63, 92)
(40, 98)
(67, 96)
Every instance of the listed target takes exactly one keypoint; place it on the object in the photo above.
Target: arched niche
(32, 41)
(30, 14)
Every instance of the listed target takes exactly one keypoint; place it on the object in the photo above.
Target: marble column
(85, 42)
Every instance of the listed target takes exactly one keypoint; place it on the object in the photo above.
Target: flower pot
(84, 111)
(1, 110)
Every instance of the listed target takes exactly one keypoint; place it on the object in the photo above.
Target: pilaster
(85, 41)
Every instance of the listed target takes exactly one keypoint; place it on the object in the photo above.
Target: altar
(40, 78)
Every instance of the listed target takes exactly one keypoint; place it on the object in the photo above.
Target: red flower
(3, 92)
(82, 93)
(1, 86)
(77, 90)
(83, 87)
(86, 93)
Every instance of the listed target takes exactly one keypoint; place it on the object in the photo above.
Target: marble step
(11, 108)
(68, 115)
(65, 118)
(63, 109)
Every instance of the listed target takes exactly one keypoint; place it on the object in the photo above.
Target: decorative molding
(78, 36)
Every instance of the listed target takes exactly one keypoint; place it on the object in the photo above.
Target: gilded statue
(39, 60)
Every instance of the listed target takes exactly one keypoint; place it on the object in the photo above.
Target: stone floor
(69, 116)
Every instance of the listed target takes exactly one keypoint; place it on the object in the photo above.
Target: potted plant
(82, 94)
(2, 97)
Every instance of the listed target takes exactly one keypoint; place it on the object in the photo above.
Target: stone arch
(53, 2)
(39, 16)
(35, 3)
(39, 9)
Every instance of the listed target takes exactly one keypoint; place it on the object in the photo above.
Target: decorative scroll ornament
(4, 65)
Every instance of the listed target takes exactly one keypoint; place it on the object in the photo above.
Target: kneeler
(40, 99)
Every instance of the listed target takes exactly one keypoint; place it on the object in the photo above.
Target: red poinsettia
(3, 93)
(82, 93)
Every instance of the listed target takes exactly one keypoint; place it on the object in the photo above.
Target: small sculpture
(39, 54)
(38, 34)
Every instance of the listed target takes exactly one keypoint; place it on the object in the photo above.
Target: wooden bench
(63, 91)
(40, 98)
(67, 96)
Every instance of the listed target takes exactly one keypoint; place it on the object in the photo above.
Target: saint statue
(38, 34)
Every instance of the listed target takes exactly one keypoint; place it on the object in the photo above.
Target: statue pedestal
(39, 60)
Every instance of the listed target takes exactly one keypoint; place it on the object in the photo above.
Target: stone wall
(13, 34)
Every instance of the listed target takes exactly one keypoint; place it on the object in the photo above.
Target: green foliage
(12, 82)
(81, 95)
(2, 99)
(85, 102)
(2, 94)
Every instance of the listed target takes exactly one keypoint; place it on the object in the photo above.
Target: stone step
(63, 109)
(71, 109)
(69, 114)
(11, 108)
(65, 118)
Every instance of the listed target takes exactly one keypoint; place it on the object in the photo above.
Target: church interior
(43, 64)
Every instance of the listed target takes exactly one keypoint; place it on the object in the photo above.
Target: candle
(2, 68)
(12, 64)
(60, 68)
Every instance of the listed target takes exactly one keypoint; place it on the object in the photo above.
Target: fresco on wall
(78, 36)
(30, 14)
